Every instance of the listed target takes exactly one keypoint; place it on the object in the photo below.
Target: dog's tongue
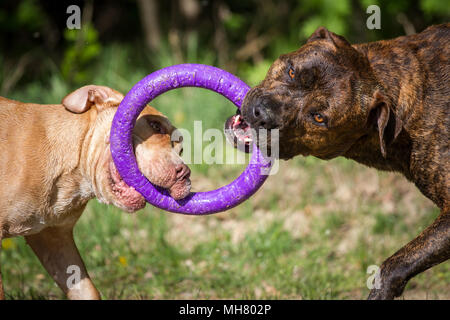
(238, 132)
(241, 129)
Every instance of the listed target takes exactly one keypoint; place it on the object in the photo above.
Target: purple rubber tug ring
(158, 82)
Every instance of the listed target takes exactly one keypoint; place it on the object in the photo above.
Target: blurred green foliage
(241, 36)
(83, 47)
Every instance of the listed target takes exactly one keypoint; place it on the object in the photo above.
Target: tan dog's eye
(156, 126)
(291, 73)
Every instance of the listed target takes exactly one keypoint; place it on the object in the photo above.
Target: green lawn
(309, 233)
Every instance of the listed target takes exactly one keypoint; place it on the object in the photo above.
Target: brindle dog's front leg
(56, 249)
(430, 248)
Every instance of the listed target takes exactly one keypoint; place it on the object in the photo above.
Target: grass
(309, 233)
(277, 245)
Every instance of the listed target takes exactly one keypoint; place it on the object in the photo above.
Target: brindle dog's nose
(262, 116)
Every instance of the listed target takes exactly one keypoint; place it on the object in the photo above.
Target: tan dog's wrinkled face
(158, 158)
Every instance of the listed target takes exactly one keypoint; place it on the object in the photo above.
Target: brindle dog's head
(322, 97)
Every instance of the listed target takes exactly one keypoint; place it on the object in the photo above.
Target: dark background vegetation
(313, 228)
(232, 34)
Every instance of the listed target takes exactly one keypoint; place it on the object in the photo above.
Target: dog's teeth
(237, 120)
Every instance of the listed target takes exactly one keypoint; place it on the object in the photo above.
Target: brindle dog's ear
(323, 33)
(387, 122)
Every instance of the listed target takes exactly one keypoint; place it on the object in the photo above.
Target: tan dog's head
(158, 157)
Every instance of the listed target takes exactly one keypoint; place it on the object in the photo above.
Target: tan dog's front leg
(56, 249)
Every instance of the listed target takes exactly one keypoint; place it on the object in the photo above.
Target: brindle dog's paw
(391, 283)
(380, 294)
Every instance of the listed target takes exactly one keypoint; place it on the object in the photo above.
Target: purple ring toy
(156, 83)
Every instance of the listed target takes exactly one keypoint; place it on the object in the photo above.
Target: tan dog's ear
(85, 97)
(323, 33)
(387, 122)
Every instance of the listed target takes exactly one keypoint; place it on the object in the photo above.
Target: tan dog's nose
(182, 171)
(182, 185)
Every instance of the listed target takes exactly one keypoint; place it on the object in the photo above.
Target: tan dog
(55, 158)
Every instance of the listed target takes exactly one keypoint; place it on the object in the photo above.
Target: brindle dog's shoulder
(415, 71)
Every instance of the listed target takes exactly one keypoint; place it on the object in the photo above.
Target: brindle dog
(384, 104)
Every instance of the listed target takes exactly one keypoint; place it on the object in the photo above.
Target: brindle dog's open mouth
(238, 132)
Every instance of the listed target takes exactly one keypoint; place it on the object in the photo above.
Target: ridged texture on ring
(158, 82)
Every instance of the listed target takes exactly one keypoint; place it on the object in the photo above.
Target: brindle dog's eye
(320, 119)
(291, 73)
